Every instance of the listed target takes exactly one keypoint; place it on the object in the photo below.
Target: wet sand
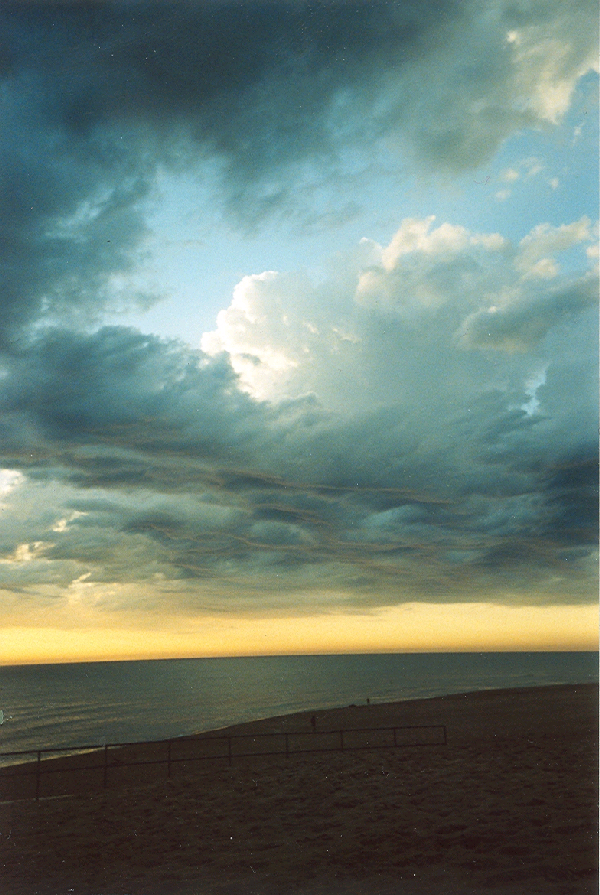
(507, 807)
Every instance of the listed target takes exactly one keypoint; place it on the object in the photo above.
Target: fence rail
(220, 747)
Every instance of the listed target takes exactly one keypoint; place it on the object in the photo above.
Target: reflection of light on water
(1, 717)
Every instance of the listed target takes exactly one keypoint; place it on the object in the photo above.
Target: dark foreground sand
(508, 806)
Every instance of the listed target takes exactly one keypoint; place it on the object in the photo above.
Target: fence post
(37, 776)
(169, 760)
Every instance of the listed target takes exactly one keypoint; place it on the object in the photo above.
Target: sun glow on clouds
(283, 336)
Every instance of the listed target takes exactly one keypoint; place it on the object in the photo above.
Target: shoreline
(507, 807)
(270, 722)
(362, 714)
(374, 704)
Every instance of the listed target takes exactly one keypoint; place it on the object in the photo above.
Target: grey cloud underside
(169, 470)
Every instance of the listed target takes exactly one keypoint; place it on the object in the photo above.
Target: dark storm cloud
(572, 491)
(96, 96)
(126, 389)
(206, 485)
(210, 70)
(69, 218)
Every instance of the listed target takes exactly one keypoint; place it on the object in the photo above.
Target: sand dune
(508, 806)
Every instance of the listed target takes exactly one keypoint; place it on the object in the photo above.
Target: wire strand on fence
(40, 771)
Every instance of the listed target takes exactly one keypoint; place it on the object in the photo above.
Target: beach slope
(508, 807)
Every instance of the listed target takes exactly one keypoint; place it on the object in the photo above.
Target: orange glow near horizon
(415, 627)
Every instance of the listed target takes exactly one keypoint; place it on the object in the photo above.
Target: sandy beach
(507, 806)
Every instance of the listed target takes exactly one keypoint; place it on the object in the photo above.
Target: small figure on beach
(313, 724)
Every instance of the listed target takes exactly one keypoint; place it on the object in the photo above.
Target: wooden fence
(105, 764)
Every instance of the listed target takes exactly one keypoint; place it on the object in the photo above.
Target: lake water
(69, 705)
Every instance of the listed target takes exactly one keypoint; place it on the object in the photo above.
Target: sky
(298, 327)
